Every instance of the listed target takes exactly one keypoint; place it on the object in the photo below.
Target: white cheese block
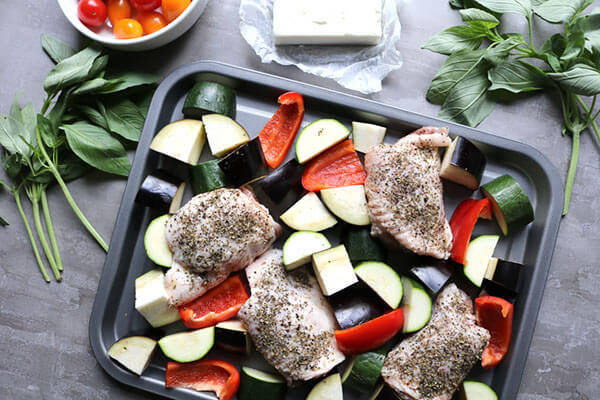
(333, 270)
(348, 22)
(151, 299)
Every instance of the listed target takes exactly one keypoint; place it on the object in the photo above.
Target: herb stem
(530, 25)
(36, 252)
(50, 228)
(34, 192)
(572, 170)
(586, 109)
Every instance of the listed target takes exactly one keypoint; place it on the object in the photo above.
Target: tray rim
(548, 239)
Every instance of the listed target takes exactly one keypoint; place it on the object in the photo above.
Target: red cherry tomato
(173, 8)
(118, 10)
(145, 5)
(92, 12)
(128, 28)
(151, 21)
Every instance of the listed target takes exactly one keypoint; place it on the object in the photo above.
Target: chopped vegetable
(308, 214)
(361, 246)
(155, 242)
(162, 191)
(224, 134)
(151, 299)
(336, 167)
(349, 203)
(356, 305)
(370, 335)
(209, 97)
(364, 370)
(416, 304)
(318, 137)
(182, 140)
(218, 304)
(207, 176)
(495, 315)
(511, 206)
(462, 223)
(261, 385)
(244, 164)
(278, 135)
(478, 257)
(384, 281)
(232, 336)
(433, 273)
(333, 270)
(505, 274)
(463, 163)
(188, 346)
(205, 375)
(472, 390)
(300, 246)
(133, 352)
(366, 136)
(281, 188)
(330, 388)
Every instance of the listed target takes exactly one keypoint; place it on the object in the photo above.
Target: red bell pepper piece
(277, 136)
(462, 223)
(336, 167)
(496, 315)
(204, 375)
(371, 334)
(218, 304)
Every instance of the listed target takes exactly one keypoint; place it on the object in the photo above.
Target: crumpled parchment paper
(357, 68)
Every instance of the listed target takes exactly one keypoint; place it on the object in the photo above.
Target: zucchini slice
(151, 299)
(349, 203)
(416, 306)
(308, 214)
(188, 346)
(162, 191)
(463, 163)
(473, 390)
(383, 280)
(478, 256)
(363, 371)
(255, 384)
(356, 305)
(133, 352)
(245, 164)
(361, 246)
(333, 270)
(511, 206)
(207, 176)
(329, 388)
(366, 136)
(300, 246)
(318, 137)
(207, 98)
(182, 140)
(223, 134)
(155, 242)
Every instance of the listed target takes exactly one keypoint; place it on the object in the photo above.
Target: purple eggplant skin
(356, 305)
(493, 288)
(157, 190)
(281, 188)
(244, 164)
(433, 273)
(508, 274)
(468, 157)
(232, 340)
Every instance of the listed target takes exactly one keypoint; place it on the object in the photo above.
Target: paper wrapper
(357, 68)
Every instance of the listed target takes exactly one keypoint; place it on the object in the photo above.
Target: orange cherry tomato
(172, 8)
(118, 10)
(128, 28)
(151, 21)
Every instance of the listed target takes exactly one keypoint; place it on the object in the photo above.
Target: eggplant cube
(245, 164)
(151, 299)
(334, 270)
(433, 274)
(463, 163)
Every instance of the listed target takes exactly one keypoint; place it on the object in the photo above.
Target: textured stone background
(44, 349)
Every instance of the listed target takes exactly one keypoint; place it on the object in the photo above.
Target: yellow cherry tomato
(173, 8)
(128, 28)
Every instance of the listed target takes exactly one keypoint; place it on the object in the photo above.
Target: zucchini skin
(158, 190)
(365, 371)
(468, 157)
(356, 305)
(232, 340)
(361, 246)
(244, 164)
(207, 176)
(509, 199)
(252, 388)
(209, 97)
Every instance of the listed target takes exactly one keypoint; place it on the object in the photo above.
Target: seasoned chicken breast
(431, 364)
(214, 234)
(289, 320)
(404, 193)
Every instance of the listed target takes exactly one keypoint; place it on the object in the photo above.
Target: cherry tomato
(91, 12)
(151, 21)
(118, 10)
(145, 5)
(172, 8)
(128, 28)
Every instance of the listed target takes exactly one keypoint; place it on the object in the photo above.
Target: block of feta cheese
(317, 22)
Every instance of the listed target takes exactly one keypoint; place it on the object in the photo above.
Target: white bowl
(159, 38)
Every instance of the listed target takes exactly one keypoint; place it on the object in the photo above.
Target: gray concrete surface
(44, 349)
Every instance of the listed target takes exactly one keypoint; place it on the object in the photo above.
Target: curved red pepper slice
(277, 136)
(339, 166)
(462, 223)
(370, 335)
(218, 304)
(496, 315)
(204, 375)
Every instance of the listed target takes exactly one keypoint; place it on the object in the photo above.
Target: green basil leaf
(468, 102)
(72, 70)
(125, 119)
(93, 115)
(56, 113)
(96, 85)
(479, 19)
(128, 80)
(49, 134)
(456, 67)
(3, 222)
(11, 132)
(522, 7)
(98, 67)
(575, 46)
(590, 26)
(454, 39)
(97, 148)
(72, 168)
(144, 102)
(500, 52)
(580, 79)
(516, 77)
(13, 164)
(4, 185)
(559, 11)
(456, 3)
(56, 49)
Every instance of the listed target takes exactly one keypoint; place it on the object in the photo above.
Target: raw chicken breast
(404, 193)
(214, 234)
(289, 320)
(431, 364)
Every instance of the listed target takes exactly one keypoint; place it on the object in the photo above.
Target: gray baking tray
(114, 316)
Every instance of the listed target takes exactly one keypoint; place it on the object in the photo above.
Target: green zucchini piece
(188, 346)
(473, 390)
(383, 280)
(255, 384)
(329, 388)
(207, 176)
(361, 246)
(300, 246)
(416, 305)
(155, 242)
(208, 98)
(363, 371)
(511, 206)
(478, 256)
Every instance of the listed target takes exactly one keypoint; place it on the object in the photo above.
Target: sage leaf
(56, 49)
(93, 115)
(558, 11)
(455, 39)
(97, 148)
(72, 70)
(125, 119)
(479, 19)
(516, 77)
(579, 79)
(468, 102)
(522, 7)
